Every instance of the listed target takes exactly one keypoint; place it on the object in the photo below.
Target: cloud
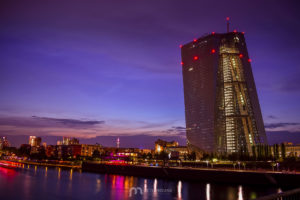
(47, 126)
(176, 131)
(283, 126)
(69, 122)
(272, 117)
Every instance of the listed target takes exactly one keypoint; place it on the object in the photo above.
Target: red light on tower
(234, 31)
(213, 51)
(249, 60)
(196, 57)
(241, 55)
(227, 19)
(195, 40)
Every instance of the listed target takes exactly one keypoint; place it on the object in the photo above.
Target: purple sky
(96, 70)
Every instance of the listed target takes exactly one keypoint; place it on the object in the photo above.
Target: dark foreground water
(61, 184)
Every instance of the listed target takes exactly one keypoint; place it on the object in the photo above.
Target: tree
(24, 150)
(192, 155)
(149, 155)
(96, 154)
(283, 150)
(254, 152)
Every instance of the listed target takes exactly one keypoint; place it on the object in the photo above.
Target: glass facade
(221, 104)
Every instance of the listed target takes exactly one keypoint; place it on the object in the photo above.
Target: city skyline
(92, 73)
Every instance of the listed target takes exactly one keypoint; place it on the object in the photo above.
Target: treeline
(259, 153)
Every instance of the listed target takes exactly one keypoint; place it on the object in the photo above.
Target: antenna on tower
(118, 143)
(227, 19)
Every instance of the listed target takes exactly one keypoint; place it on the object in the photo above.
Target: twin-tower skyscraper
(221, 104)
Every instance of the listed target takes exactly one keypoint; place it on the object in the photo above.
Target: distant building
(69, 141)
(88, 149)
(146, 151)
(63, 151)
(178, 152)
(161, 145)
(44, 144)
(51, 151)
(4, 143)
(292, 150)
(75, 150)
(35, 141)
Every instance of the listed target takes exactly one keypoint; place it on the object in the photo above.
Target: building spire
(227, 19)
(118, 143)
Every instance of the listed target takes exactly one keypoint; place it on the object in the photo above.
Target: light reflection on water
(64, 184)
(207, 191)
(240, 193)
(179, 190)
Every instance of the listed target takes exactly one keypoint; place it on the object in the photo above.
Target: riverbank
(45, 164)
(198, 174)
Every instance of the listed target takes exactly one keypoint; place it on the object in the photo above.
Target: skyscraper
(35, 141)
(221, 103)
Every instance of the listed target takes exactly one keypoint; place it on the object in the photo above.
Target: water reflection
(71, 175)
(8, 173)
(98, 185)
(279, 190)
(179, 190)
(70, 184)
(46, 171)
(155, 188)
(58, 173)
(240, 194)
(145, 189)
(207, 191)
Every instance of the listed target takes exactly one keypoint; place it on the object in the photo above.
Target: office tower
(4, 143)
(35, 141)
(69, 141)
(221, 103)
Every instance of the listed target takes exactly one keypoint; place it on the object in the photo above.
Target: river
(41, 183)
